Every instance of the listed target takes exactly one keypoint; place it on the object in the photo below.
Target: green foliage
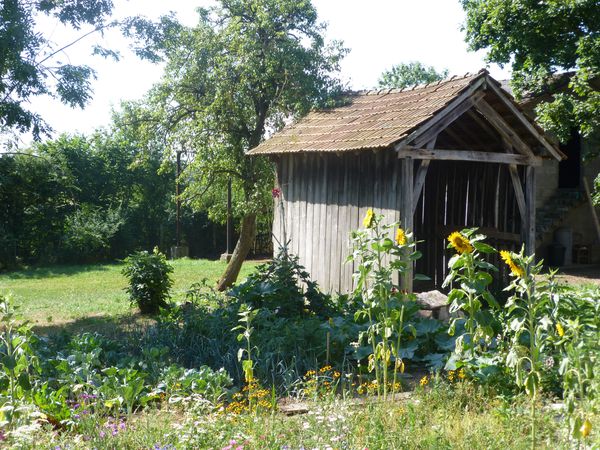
(18, 363)
(88, 231)
(283, 286)
(150, 280)
(31, 65)
(410, 74)
(469, 278)
(529, 324)
(382, 252)
(539, 40)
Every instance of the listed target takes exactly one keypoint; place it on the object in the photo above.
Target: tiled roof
(374, 119)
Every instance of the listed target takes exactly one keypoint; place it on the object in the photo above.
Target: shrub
(285, 287)
(149, 280)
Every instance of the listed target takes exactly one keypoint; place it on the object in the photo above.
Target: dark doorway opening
(569, 170)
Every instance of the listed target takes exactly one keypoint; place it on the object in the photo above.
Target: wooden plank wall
(324, 198)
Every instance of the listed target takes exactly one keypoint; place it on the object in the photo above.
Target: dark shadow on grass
(109, 326)
(56, 271)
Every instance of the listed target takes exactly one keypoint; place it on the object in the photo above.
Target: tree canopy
(242, 72)
(30, 63)
(541, 40)
(410, 74)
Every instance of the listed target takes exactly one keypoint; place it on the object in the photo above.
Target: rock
(436, 302)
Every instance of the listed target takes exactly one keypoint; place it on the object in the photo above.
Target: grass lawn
(62, 294)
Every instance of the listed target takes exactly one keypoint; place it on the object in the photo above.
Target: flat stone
(432, 300)
(435, 303)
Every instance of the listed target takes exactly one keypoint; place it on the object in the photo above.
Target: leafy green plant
(576, 314)
(469, 276)
(18, 362)
(283, 286)
(150, 280)
(381, 253)
(529, 325)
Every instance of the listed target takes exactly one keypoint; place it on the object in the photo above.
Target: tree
(246, 68)
(540, 40)
(410, 74)
(29, 63)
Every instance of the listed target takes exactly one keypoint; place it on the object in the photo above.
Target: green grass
(60, 294)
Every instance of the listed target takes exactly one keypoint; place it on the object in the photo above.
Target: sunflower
(514, 268)
(368, 220)
(460, 243)
(400, 237)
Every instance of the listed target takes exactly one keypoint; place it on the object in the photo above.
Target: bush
(149, 280)
(89, 231)
(284, 287)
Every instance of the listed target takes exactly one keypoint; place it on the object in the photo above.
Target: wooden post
(530, 206)
(407, 215)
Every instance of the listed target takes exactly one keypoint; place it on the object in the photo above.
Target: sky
(379, 34)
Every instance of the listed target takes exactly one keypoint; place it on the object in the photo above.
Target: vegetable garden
(276, 363)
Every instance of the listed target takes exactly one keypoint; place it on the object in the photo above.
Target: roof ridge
(385, 91)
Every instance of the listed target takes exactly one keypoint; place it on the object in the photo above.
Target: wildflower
(276, 193)
(325, 369)
(368, 220)
(514, 268)
(560, 330)
(460, 243)
(424, 381)
(586, 428)
(400, 237)
(461, 374)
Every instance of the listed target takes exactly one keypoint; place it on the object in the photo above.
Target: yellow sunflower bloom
(400, 237)
(460, 243)
(514, 268)
(368, 220)
(560, 330)
(586, 428)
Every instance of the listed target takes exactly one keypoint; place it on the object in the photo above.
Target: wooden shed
(438, 157)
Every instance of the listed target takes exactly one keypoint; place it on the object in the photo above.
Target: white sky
(379, 33)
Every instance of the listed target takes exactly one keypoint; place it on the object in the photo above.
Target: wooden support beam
(448, 118)
(530, 201)
(505, 130)
(407, 180)
(490, 131)
(525, 121)
(443, 118)
(469, 155)
(516, 181)
(421, 175)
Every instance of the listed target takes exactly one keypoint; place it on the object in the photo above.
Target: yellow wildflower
(325, 369)
(460, 243)
(424, 381)
(400, 237)
(462, 374)
(368, 220)
(560, 330)
(514, 268)
(586, 428)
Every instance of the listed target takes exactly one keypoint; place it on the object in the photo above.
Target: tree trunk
(242, 248)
